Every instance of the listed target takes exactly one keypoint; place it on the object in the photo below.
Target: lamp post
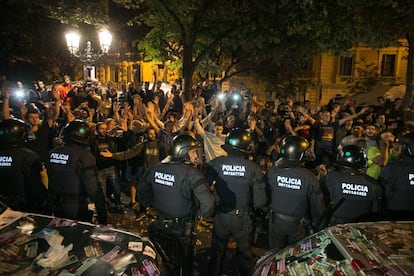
(89, 56)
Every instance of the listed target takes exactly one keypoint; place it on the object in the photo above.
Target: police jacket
(295, 192)
(72, 174)
(239, 183)
(397, 178)
(169, 188)
(20, 178)
(361, 194)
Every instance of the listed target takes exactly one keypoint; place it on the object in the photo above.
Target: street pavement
(138, 225)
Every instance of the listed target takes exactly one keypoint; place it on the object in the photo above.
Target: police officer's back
(352, 194)
(239, 184)
(397, 179)
(73, 177)
(21, 187)
(173, 188)
(295, 194)
(168, 187)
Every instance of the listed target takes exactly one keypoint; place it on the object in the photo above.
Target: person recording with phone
(17, 97)
(378, 155)
(41, 128)
(234, 103)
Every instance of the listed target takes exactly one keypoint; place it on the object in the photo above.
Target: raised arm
(167, 106)
(139, 108)
(58, 103)
(125, 155)
(185, 119)
(51, 120)
(68, 112)
(384, 146)
(310, 119)
(6, 103)
(198, 127)
(151, 119)
(353, 116)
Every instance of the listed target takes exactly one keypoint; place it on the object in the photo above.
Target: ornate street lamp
(89, 56)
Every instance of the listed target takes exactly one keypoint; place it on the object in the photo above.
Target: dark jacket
(171, 189)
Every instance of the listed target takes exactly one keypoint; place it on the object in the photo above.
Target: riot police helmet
(238, 139)
(407, 140)
(77, 131)
(351, 156)
(293, 147)
(181, 144)
(12, 132)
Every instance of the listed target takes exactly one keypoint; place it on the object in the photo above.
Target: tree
(233, 37)
(228, 37)
(32, 44)
(388, 21)
(188, 31)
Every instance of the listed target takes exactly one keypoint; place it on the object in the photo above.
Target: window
(388, 65)
(115, 73)
(345, 66)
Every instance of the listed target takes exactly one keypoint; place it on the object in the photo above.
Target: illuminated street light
(105, 40)
(89, 57)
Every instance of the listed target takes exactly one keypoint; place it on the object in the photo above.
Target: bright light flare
(72, 41)
(105, 40)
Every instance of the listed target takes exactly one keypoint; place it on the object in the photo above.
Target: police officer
(352, 194)
(295, 194)
(20, 168)
(397, 179)
(171, 188)
(239, 185)
(73, 175)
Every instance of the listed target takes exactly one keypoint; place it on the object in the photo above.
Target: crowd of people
(302, 167)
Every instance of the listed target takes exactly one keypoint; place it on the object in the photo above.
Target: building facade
(363, 69)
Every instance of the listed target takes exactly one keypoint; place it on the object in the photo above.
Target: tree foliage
(31, 45)
(230, 37)
(78, 12)
(188, 32)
